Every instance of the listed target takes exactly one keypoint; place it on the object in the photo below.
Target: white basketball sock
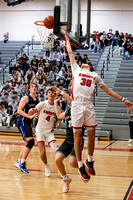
(80, 164)
(90, 158)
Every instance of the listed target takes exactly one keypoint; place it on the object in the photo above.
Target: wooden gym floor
(113, 165)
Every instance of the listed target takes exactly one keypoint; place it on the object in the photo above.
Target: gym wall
(105, 14)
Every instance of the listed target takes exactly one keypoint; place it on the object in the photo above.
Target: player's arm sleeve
(99, 82)
(75, 68)
(39, 106)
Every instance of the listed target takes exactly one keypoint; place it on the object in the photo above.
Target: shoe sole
(85, 181)
(16, 166)
(88, 171)
(24, 171)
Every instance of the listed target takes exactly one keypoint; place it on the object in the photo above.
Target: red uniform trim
(72, 88)
(76, 127)
(52, 141)
(40, 141)
(91, 126)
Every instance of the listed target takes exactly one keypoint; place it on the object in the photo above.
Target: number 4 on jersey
(48, 118)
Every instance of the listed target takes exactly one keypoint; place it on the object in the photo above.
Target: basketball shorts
(44, 135)
(67, 148)
(24, 128)
(83, 115)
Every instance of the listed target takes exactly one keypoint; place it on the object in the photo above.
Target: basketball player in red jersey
(82, 109)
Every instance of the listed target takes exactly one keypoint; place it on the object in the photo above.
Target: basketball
(49, 22)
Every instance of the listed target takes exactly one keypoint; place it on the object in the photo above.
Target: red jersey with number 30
(46, 115)
(83, 84)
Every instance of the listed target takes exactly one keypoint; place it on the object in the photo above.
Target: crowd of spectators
(52, 69)
(98, 40)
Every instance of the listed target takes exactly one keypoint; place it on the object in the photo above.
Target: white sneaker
(131, 140)
(66, 184)
(0, 124)
(47, 171)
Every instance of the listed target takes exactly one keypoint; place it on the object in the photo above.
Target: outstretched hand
(129, 104)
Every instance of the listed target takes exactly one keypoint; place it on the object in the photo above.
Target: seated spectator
(23, 59)
(47, 69)
(18, 89)
(41, 98)
(8, 115)
(63, 54)
(52, 74)
(7, 86)
(121, 48)
(29, 75)
(62, 43)
(92, 42)
(61, 74)
(26, 66)
(78, 57)
(4, 103)
(15, 95)
(127, 47)
(3, 91)
(41, 62)
(23, 91)
(97, 45)
(116, 38)
(17, 66)
(56, 44)
(2, 114)
(41, 78)
(109, 37)
(7, 98)
(13, 103)
(47, 56)
(11, 92)
(34, 64)
(84, 58)
(56, 57)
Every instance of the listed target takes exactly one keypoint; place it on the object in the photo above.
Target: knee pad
(53, 146)
(30, 144)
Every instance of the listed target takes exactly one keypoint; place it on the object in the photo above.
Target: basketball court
(113, 159)
(113, 165)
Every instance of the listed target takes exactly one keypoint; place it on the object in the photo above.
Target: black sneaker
(89, 167)
(83, 174)
(23, 168)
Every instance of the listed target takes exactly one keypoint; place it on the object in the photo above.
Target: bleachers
(116, 117)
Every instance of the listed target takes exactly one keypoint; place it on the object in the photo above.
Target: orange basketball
(49, 22)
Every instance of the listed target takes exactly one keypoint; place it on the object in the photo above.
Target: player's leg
(63, 151)
(91, 145)
(26, 131)
(90, 123)
(50, 138)
(77, 115)
(41, 146)
(42, 149)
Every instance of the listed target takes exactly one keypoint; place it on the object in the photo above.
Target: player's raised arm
(116, 96)
(58, 91)
(58, 110)
(69, 50)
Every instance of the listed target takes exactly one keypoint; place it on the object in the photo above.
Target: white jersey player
(44, 129)
(82, 109)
